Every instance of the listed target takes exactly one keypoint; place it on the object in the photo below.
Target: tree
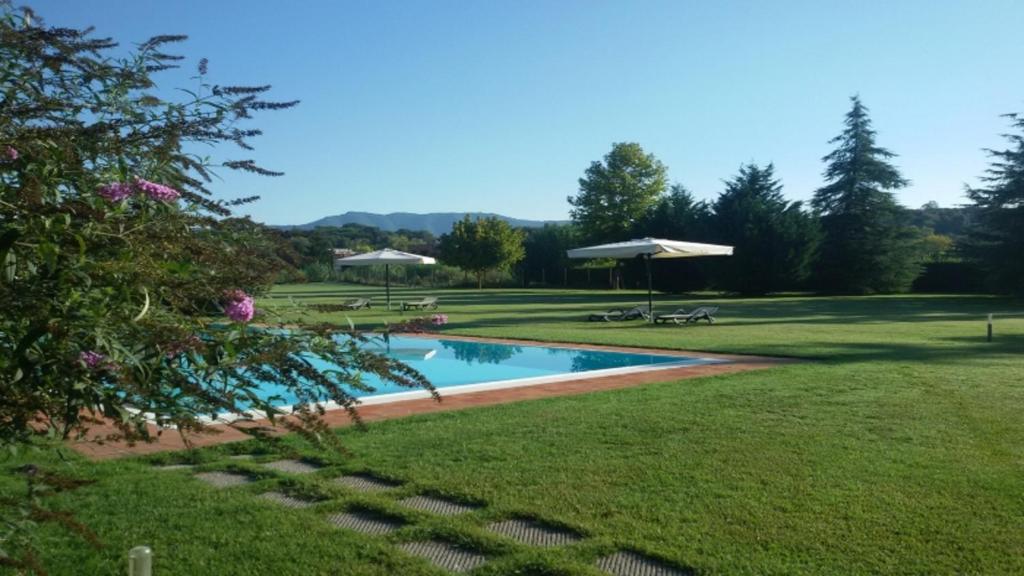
(867, 246)
(545, 259)
(127, 294)
(115, 257)
(996, 240)
(678, 216)
(480, 245)
(774, 240)
(616, 193)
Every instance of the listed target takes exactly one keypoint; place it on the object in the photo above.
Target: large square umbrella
(650, 248)
(387, 257)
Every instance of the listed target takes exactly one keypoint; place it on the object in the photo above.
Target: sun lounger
(620, 314)
(428, 303)
(357, 304)
(681, 316)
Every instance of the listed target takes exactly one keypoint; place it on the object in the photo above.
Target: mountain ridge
(436, 223)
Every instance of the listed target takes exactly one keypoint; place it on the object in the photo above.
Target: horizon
(442, 107)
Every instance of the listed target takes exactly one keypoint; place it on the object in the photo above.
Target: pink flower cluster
(11, 153)
(439, 319)
(239, 307)
(117, 191)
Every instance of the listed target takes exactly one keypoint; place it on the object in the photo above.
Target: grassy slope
(900, 449)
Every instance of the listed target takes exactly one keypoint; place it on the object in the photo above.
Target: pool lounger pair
(357, 304)
(681, 316)
(428, 303)
(620, 314)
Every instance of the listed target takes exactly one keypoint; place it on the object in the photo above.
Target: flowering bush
(117, 268)
(420, 325)
(116, 264)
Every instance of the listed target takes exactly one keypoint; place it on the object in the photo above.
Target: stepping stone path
(366, 482)
(365, 522)
(292, 466)
(172, 467)
(286, 500)
(436, 505)
(633, 564)
(534, 533)
(241, 457)
(444, 555)
(223, 479)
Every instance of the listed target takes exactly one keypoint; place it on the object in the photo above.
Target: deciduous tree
(480, 245)
(617, 192)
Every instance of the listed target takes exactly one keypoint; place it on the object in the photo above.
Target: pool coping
(470, 395)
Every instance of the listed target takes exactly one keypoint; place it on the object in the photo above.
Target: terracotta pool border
(733, 363)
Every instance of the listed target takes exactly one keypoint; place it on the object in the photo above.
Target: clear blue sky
(500, 105)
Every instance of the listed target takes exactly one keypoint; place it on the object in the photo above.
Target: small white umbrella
(650, 248)
(387, 257)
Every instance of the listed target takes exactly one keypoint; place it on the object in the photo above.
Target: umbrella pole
(387, 284)
(650, 293)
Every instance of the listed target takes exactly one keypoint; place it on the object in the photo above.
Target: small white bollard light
(140, 561)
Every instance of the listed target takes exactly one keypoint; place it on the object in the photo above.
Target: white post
(140, 561)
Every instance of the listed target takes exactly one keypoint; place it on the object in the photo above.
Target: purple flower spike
(11, 153)
(156, 191)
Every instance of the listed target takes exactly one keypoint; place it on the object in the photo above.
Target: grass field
(899, 448)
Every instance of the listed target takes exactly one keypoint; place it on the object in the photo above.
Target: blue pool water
(448, 363)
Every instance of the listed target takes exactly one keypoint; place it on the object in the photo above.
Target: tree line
(852, 236)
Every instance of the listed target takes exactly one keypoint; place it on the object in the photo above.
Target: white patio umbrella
(650, 248)
(387, 257)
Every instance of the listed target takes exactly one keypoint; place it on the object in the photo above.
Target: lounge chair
(428, 303)
(620, 314)
(681, 316)
(357, 304)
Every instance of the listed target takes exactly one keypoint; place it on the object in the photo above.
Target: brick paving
(399, 409)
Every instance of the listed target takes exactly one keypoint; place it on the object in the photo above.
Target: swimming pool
(457, 366)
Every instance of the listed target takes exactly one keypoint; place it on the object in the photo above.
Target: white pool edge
(691, 361)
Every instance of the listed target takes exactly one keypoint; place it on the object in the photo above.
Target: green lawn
(898, 449)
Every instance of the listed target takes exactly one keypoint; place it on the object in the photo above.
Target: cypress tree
(867, 246)
(774, 240)
(996, 241)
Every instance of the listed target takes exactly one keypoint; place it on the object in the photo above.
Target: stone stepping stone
(286, 500)
(292, 466)
(365, 522)
(366, 482)
(241, 457)
(444, 555)
(223, 479)
(534, 533)
(633, 564)
(172, 467)
(437, 505)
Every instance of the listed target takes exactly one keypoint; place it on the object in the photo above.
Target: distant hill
(436, 223)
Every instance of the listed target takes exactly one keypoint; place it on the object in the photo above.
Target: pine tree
(867, 246)
(996, 241)
(774, 240)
